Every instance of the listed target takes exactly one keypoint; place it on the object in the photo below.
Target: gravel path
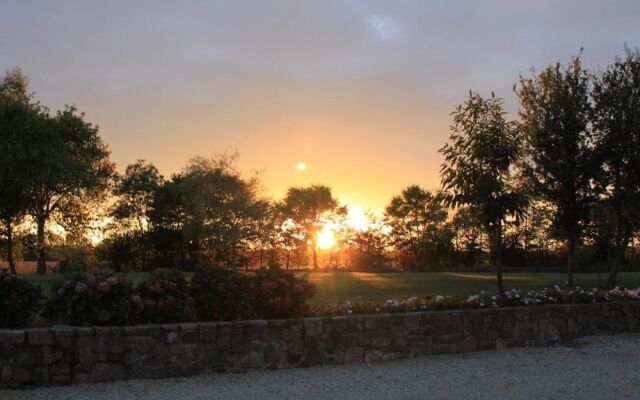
(596, 368)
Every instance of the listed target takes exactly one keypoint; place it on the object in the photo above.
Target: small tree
(477, 170)
(135, 191)
(616, 121)
(306, 206)
(559, 163)
(417, 219)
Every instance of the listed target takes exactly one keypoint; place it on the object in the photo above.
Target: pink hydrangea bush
(280, 294)
(165, 297)
(222, 294)
(19, 301)
(97, 297)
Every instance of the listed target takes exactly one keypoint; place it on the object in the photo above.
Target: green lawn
(339, 287)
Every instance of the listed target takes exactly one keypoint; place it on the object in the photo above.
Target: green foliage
(76, 259)
(559, 166)
(280, 294)
(165, 297)
(616, 126)
(135, 191)
(221, 294)
(19, 301)
(97, 297)
(477, 171)
(306, 206)
(418, 225)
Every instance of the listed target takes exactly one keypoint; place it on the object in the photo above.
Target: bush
(165, 297)
(98, 297)
(19, 301)
(76, 259)
(222, 294)
(279, 294)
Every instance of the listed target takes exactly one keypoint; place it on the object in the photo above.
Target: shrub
(98, 297)
(165, 297)
(279, 294)
(76, 259)
(19, 301)
(221, 294)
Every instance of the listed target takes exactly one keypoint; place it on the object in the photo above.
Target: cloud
(386, 28)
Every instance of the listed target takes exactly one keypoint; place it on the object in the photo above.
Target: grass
(338, 287)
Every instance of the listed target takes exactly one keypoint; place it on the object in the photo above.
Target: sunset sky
(358, 91)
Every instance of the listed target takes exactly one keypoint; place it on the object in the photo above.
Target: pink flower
(90, 279)
(112, 281)
(104, 287)
(81, 287)
(66, 284)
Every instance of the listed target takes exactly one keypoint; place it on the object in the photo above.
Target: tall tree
(616, 122)
(559, 162)
(307, 206)
(71, 171)
(417, 219)
(477, 170)
(19, 121)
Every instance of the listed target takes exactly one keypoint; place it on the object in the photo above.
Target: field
(339, 287)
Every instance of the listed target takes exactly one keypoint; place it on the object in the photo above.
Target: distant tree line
(558, 186)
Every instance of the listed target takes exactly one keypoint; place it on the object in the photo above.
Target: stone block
(208, 332)
(313, 326)
(39, 337)
(370, 323)
(354, 355)
(11, 337)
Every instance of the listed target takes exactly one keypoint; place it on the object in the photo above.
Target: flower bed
(511, 298)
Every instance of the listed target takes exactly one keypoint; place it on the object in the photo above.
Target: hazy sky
(361, 91)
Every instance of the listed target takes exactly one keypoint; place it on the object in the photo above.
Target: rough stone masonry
(65, 355)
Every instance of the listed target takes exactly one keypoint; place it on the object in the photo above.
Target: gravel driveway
(596, 368)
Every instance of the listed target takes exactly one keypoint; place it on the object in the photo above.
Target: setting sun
(301, 166)
(326, 237)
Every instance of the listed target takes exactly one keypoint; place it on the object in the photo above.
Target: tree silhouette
(477, 170)
(559, 162)
(616, 122)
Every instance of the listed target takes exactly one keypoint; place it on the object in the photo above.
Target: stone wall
(62, 355)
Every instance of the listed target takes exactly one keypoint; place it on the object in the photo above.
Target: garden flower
(104, 286)
(81, 287)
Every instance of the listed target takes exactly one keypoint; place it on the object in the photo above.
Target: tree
(417, 219)
(135, 191)
(307, 206)
(71, 171)
(368, 248)
(559, 164)
(219, 209)
(19, 121)
(616, 123)
(477, 170)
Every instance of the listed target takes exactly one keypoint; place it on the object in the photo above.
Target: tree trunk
(571, 258)
(288, 257)
(234, 257)
(10, 259)
(40, 246)
(315, 257)
(495, 243)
